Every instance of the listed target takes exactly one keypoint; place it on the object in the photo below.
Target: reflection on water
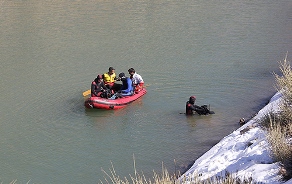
(222, 52)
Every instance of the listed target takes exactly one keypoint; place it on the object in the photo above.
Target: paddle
(85, 93)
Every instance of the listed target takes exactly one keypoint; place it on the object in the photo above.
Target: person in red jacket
(191, 107)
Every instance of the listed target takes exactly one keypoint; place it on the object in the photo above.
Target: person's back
(127, 87)
(137, 79)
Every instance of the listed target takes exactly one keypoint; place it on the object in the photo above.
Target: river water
(224, 52)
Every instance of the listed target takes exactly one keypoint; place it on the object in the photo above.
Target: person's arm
(139, 79)
(114, 77)
(193, 107)
(93, 87)
(103, 86)
(200, 110)
(197, 107)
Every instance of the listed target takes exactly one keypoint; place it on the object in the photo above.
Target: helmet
(121, 75)
(99, 76)
(192, 99)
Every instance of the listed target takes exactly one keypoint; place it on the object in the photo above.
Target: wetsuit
(97, 88)
(190, 107)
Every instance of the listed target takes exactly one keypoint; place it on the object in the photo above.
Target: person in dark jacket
(127, 87)
(191, 107)
(97, 86)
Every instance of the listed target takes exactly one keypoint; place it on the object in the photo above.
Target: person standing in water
(191, 107)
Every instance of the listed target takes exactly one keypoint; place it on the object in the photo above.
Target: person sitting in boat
(97, 86)
(109, 77)
(137, 80)
(191, 107)
(127, 86)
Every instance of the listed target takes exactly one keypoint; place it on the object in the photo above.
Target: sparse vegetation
(166, 178)
(284, 85)
(279, 138)
(279, 125)
(227, 178)
(113, 178)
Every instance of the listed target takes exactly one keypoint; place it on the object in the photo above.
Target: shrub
(166, 178)
(279, 125)
(284, 85)
(279, 138)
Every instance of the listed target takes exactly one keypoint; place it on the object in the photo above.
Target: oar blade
(86, 93)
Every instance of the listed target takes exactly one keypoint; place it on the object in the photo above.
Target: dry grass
(113, 178)
(284, 85)
(226, 178)
(279, 125)
(166, 178)
(280, 139)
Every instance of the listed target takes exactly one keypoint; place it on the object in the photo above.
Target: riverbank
(245, 153)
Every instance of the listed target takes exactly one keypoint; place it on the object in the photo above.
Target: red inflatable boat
(112, 104)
